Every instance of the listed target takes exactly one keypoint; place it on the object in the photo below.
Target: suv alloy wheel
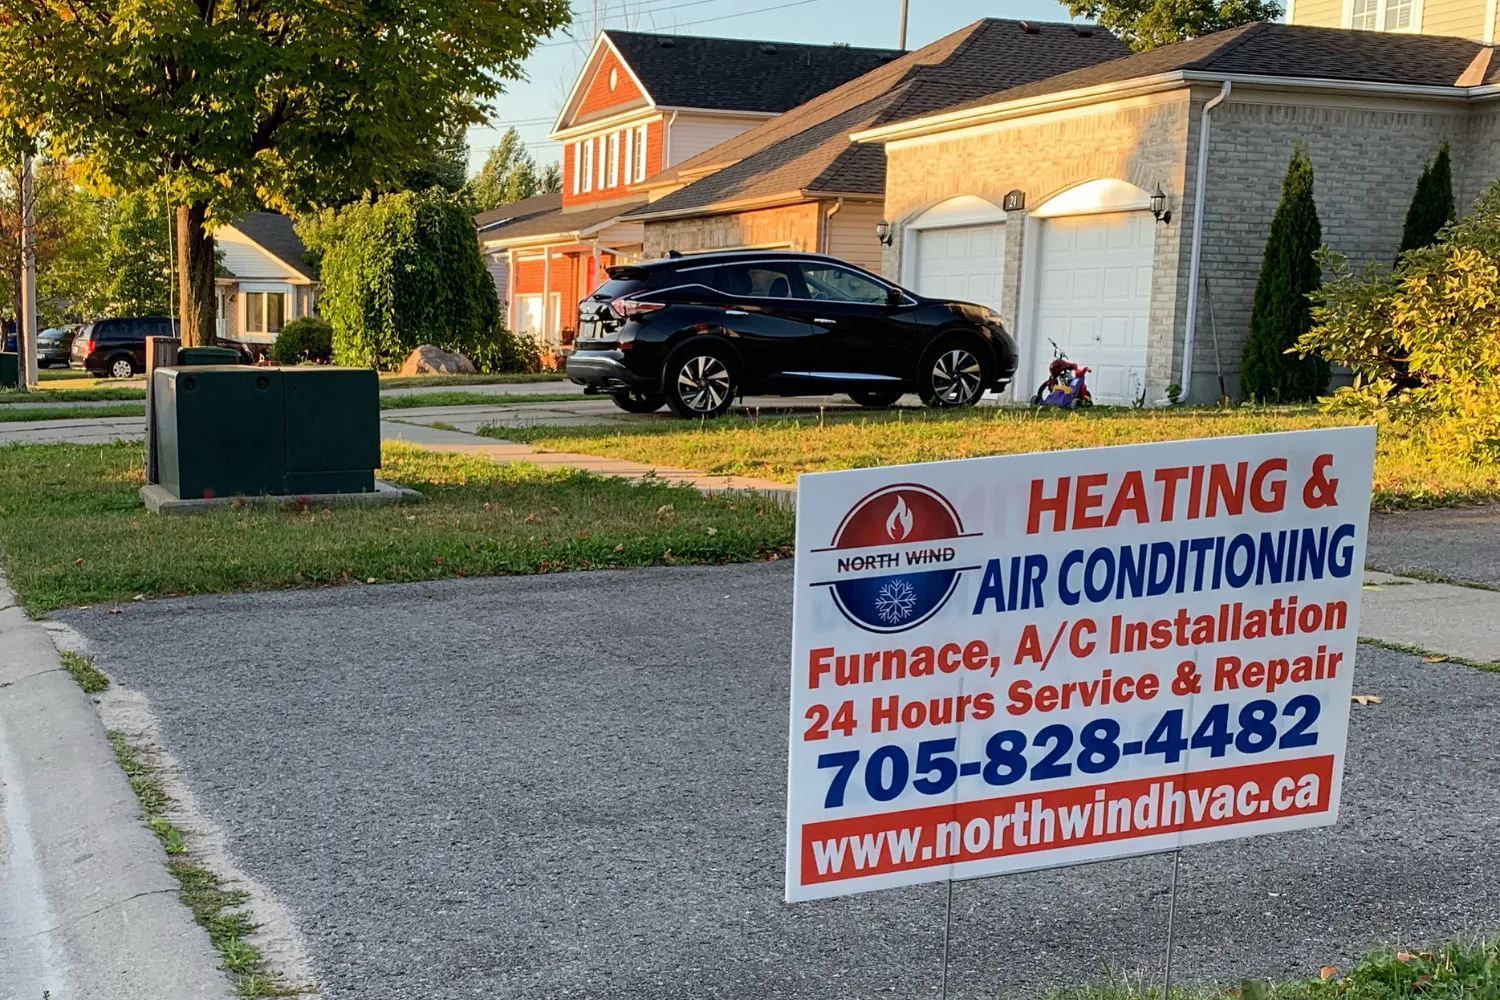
(952, 375)
(700, 382)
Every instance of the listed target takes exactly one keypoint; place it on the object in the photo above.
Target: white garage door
(1095, 299)
(962, 263)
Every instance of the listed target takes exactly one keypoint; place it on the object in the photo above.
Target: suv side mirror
(893, 297)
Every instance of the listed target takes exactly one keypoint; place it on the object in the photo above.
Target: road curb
(88, 910)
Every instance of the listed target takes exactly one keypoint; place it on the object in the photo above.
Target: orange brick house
(642, 103)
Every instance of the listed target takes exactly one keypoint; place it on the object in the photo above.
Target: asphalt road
(572, 786)
(1459, 544)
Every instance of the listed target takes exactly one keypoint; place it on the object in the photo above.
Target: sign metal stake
(947, 926)
(1166, 989)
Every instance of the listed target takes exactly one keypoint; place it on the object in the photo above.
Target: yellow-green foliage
(1423, 340)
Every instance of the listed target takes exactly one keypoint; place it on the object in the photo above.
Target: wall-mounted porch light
(1159, 209)
(883, 232)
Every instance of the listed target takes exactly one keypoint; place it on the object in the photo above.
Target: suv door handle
(821, 321)
(735, 312)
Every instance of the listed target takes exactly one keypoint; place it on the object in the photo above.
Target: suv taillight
(628, 308)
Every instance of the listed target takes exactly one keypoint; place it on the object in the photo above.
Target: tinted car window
(769, 280)
(616, 287)
(829, 283)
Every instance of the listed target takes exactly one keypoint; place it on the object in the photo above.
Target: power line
(706, 20)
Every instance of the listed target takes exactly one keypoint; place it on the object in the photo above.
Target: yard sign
(1021, 662)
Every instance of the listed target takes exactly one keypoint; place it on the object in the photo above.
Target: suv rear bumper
(606, 371)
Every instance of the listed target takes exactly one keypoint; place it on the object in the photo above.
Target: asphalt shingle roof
(564, 223)
(808, 147)
(737, 74)
(273, 232)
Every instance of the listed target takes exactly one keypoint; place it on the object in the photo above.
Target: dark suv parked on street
(116, 348)
(695, 332)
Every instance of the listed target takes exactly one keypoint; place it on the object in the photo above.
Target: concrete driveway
(572, 786)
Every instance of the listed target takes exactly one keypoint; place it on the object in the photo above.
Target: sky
(532, 104)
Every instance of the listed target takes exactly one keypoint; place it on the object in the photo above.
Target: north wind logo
(900, 522)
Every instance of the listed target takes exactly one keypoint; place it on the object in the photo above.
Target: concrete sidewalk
(87, 907)
(435, 439)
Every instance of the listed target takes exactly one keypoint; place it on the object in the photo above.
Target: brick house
(798, 182)
(1060, 175)
(641, 103)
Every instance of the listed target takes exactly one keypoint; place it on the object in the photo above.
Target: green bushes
(1431, 204)
(402, 271)
(1281, 312)
(308, 338)
(1423, 340)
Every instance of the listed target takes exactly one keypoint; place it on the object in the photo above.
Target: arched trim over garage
(956, 250)
(1107, 194)
(1086, 275)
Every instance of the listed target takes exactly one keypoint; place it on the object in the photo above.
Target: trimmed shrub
(1423, 340)
(403, 271)
(1281, 312)
(1431, 204)
(307, 338)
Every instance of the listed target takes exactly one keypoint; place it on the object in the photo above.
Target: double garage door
(1093, 292)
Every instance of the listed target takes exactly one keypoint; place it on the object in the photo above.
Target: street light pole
(901, 44)
(27, 318)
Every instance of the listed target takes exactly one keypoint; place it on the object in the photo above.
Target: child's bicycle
(1065, 387)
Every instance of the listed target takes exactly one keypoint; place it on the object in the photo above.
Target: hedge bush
(1423, 340)
(307, 338)
(402, 271)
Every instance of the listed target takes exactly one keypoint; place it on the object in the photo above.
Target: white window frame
(586, 165)
(577, 167)
(1382, 10)
(629, 158)
(614, 159)
(603, 165)
(251, 327)
(639, 162)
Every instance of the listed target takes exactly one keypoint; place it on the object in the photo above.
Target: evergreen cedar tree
(292, 105)
(1431, 205)
(1145, 24)
(1282, 312)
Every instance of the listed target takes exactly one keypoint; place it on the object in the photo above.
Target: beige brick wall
(1141, 142)
(793, 226)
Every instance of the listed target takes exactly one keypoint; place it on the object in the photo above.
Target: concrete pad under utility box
(159, 500)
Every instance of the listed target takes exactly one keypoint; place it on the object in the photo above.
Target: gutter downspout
(1197, 246)
(827, 224)
(666, 140)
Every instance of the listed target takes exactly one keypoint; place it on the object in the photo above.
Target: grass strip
(218, 908)
(63, 395)
(88, 676)
(1407, 476)
(460, 398)
(482, 378)
(1428, 576)
(73, 531)
(1492, 667)
(16, 414)
(1460, 970)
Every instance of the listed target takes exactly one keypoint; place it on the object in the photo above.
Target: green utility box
(10, 370)
(228, 430)
(207, 356)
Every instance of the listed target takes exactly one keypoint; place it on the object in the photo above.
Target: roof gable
(268, 246)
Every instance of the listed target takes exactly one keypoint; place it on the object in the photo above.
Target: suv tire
(632, 401)
(701, 382)
(876, 399)
(119, 367)
(953, 373)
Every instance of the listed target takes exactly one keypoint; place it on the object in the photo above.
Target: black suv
(695, 332)
(116, 348)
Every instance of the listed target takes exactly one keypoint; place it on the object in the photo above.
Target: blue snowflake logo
(895, 602)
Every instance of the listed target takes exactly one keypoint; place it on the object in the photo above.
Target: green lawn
(63, 393)
(15, 414)
(391, 381)
(779, 448)
(459, 398)
(73, 531)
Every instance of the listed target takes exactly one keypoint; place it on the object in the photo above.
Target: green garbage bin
(207, 356)
(10, 370)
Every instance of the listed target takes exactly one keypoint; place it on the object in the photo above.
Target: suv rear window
(616, 287)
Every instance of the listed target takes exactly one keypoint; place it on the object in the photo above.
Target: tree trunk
(196, 311)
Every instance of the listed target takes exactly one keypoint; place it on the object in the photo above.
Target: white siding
(244, 259)
(692, 134)
(851, 234)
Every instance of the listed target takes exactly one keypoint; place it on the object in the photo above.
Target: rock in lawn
(431, 360)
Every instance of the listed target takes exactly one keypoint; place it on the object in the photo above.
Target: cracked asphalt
(573, 786)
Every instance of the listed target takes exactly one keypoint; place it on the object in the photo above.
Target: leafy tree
(1146, 24)
(509, 174)
(1281, 311)
(282, 103)
(62, 222)
(1431, 205)
(446, 164)
(551, 179)
(402, 271)
(136, 257)
(1423, 340)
